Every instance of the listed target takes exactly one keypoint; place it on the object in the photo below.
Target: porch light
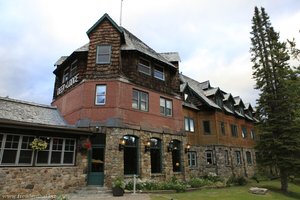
(170, 146)
(147, 146)
(121, 144)
(187, 148)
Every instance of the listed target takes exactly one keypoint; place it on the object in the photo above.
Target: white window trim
(142, 65)
(163, 73)
(190, 153)
(165, 107)
(109, 54)
(139, 101)
(96, 95)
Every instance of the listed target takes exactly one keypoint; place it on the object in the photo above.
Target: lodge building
(141, 116)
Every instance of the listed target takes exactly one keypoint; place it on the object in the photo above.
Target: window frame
(249, 158)
(142, 65)
(156, 149)
(33, 162)
(244, 132)
(108, 53)
(207, 158)
(234, 131)
(100, 94)
(139, 100)
(66, 75)
(187, 124)
(238, 157)
(206, 129)
(192, 159)
(159, 70)
(165, 107)
(226, 158)
(73, 68)
(223, 128)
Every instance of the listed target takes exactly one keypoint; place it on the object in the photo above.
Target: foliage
(233, 180)
(38, 144)
(118, 182)
(61, 197)
(199, 182)
(279, 99)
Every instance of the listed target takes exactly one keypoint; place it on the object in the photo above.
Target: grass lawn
(236, 193)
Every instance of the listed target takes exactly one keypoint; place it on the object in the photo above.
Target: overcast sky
(211, 36)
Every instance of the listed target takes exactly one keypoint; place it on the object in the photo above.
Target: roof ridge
(27, 103)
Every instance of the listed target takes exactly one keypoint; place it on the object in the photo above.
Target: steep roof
(22, 111)
(131, 42)
(195, 86)
(134, 43)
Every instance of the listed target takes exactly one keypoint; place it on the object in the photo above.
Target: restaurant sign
(67, 84)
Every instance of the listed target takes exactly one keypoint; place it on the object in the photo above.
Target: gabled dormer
(248, 111)
(239, 107)
(105, 40)
(215, 95)
(228, 103)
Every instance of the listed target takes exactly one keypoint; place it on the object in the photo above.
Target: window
(140, 100)
(244, 132)
(209, 157)
(249, 157)
(189, 124)
(233, 130)
(144, 67)
(222, 128)
(176, 159)
(206, 127)
(242, 110)
(103, 54)
(219, 101)
(73, 69)
(130, 155)
(226, 157)
(65, 75)
(165, 107)
(192, 159)
(16, 150)
(252, 135)
(100, 95)
(155, 154)
(159, 73)
(238, 157)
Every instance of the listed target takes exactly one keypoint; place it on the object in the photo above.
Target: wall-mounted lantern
(170, 146)
(147, 146)
(187, 148)
(121, 144)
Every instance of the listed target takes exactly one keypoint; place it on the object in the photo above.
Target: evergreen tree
(278, 104)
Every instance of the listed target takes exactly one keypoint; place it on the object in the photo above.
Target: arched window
(130, 155)
(176, 158)
(155, 153)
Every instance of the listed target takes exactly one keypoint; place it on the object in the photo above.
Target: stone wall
(114, 163)
(219, 165)
(42, 181)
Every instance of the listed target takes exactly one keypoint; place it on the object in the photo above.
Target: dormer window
(219, 101)
(144, 67)
(73, 69)
(103, 54)
(66, 75)
(242, 110)
(159, 73)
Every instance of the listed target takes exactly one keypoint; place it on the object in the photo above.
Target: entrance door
(96, 160)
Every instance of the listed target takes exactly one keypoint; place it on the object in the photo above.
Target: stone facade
(42, 181)
(114, 161)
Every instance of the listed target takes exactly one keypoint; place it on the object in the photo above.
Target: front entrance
(96, 160)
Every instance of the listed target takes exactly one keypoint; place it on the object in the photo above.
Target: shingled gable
(103, 18)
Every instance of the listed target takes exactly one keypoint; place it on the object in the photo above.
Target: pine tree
(278, 104)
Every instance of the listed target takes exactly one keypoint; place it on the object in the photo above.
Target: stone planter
(117, 191)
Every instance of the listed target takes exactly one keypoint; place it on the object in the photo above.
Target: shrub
(198, 182)
(236, 181)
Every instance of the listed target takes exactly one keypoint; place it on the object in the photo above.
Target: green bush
(199, 182)
(236, 181)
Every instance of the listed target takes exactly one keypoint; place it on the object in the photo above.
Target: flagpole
(121, 12)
